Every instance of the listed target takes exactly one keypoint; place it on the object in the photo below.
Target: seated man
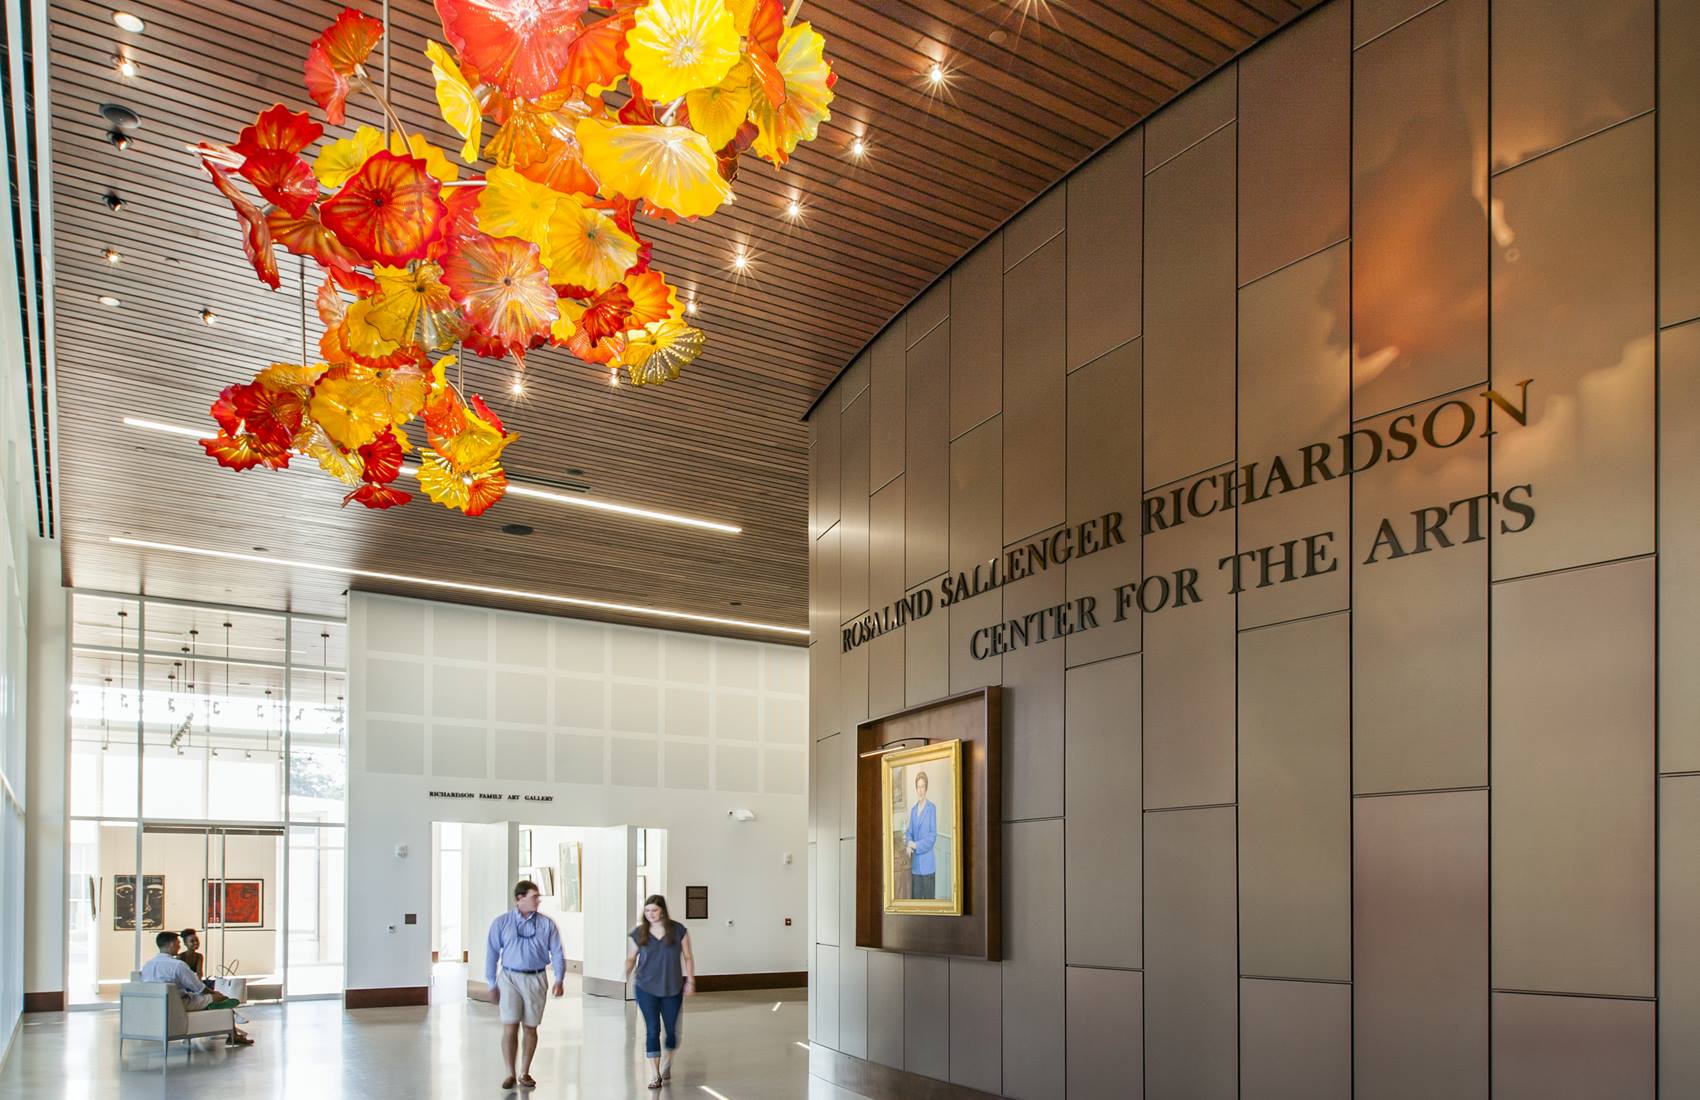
(197, 995)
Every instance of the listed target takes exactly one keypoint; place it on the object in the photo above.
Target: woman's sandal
(507, 1084)
(527, 1081)
(655, 1084)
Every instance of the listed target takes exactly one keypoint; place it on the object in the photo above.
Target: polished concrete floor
(737, 1046)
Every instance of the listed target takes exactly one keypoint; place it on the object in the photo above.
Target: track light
(113, 202)
(119, 139)
(208, 317)
(112, 256)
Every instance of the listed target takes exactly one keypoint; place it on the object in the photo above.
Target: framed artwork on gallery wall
(124, 905)
(929, 842)
(572, 878)
(544, 877)
(921, 855)
(234, 902)
(696, 903)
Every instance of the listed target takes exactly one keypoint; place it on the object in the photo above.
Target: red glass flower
(518, 45)
(389, 211)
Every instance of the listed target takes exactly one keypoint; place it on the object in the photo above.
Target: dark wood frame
(976, 719)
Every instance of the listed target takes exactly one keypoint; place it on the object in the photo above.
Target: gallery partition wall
(208, 768)
(1313, 470)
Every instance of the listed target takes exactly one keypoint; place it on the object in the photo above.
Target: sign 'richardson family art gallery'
(1439, 526)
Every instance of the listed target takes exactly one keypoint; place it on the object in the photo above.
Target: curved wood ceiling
(1033, 89)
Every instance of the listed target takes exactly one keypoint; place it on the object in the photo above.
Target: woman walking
(660, 953)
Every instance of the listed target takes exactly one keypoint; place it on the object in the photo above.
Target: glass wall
(209, 761)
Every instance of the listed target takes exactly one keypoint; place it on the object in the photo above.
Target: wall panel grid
(1387, 331)
(589, 702)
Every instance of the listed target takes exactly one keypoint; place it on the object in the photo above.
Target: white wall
(44, 884)
(490, 855)
(621, 725)
(609, 904)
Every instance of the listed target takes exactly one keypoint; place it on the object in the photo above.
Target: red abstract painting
(235, 903)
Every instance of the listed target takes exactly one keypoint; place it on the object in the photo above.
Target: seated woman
(197, 994)
(194, 960)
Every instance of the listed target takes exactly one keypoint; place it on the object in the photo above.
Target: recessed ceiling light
(740, 261)
(120, 117)
(463, 586)
(517, 387)
(109, 300)
(208, 317)
(112, 256)
(128, 22)
(517, 529)
(935, 75)
(793, 210)
(691, 306)
(517, 488)
(858, 149)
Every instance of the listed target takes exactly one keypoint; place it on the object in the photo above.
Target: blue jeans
(657, 1011)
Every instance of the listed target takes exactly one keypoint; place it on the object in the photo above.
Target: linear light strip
(459, 586)
(517, 488)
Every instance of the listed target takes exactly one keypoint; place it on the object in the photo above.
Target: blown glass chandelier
(588, 123)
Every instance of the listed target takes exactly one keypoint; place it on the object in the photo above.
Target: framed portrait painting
(124, 905)
(921, 855)
(235, 903)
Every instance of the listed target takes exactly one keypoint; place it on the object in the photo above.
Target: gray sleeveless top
(660, 965)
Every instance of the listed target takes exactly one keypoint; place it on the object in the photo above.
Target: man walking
(523, 941)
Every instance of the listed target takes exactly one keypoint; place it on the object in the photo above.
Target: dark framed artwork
(696, 903)
(124, 903)
(950, 904)
(235, 902)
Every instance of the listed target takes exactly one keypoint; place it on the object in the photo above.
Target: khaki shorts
(523, 996)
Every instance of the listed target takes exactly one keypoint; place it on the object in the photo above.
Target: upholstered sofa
(155, 1012)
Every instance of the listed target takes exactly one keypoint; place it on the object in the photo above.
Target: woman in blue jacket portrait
(919, 837)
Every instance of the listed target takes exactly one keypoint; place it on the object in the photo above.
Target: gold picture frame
(901, 775)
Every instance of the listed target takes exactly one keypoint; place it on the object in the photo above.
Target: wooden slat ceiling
(1034, 88)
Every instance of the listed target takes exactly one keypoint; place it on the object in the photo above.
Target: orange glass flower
(307, 236)
(279, 128)
(518, 45)
(282, 179)
(503, 287)
(334, 56)
(389, 211)
(256, 235)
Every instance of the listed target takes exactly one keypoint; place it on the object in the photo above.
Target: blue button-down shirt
(523, 943)
(170, 968)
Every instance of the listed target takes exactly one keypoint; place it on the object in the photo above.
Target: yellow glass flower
(404, 298)
(456, 101)
(670, 166)
(807, 93)
(658, 354)
(586, 248)
(343, 157)
(677, 45)
(513, 206)
(716, 113)
(437, 165)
